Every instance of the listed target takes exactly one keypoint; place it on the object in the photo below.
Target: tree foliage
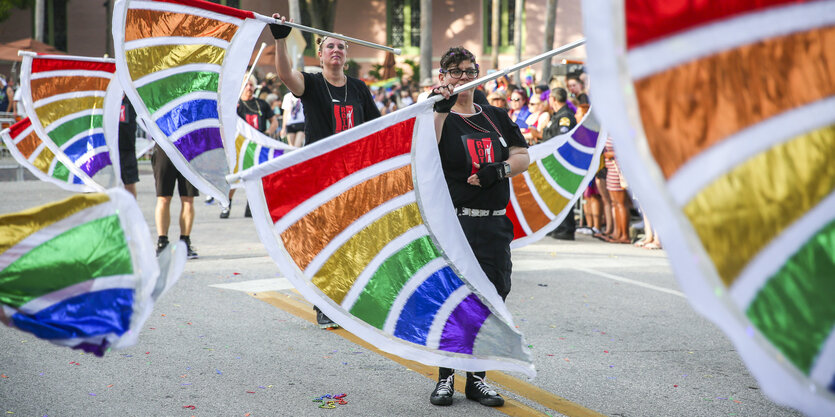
(8, 6)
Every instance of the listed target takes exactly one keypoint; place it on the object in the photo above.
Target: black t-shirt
(353, 106)
(127, 127)
(461, 145)
(256, 112)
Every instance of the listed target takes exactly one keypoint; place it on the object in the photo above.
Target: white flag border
(697, 276)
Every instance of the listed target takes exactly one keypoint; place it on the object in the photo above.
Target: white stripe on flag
(433, 339)
(357, 226)
(388, 250)
(91, 285)
(406, 292)
(339, 187)
(49, 232)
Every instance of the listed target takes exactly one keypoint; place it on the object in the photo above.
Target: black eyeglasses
(457, 73)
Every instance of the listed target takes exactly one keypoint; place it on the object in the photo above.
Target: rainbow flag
(30, 151)
(723, 119)
(560, 170)
(372, 239)
(181, 63)
(252, 148)
(89, 296)
(73, 104)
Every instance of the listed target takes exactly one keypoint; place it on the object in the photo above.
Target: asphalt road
(609, 330)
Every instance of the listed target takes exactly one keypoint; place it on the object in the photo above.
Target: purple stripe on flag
(198, 142)
(585, 136)
(96, 163)
(463, 325)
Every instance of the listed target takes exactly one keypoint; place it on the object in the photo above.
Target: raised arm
(292, 78)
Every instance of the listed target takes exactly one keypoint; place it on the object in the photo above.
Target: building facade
(80, 27)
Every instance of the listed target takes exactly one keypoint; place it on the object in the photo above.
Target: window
(507, 20)
(231, 3)
(55, 23)
(403, 25)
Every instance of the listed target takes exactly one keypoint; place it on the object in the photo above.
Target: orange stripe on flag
(142, 24)
(308, 236)
(47, 87)
(768, 78)
(29, 144)
(534, 215)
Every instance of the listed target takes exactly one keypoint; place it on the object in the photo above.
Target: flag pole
(252, 68)
(490, 77)
(320, 32)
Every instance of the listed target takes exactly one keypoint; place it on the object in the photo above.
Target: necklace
(327, 86)
(251, 110)
(473, 124)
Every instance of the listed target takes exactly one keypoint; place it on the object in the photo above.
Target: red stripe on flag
(518, 232)
(213, 7)
(291, 186)
(649, 20)
(41, 65)
(18, 127)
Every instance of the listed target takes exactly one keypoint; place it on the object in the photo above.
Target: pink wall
(454, 22)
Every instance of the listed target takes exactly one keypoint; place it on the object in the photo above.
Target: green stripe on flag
(249, 155)
(61, 134)
(566, 179)
(160, 92)
(794, 310)
(60, 171)
(374, 303)
(92, 250)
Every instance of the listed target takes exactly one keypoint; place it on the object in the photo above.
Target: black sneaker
(442, 395)
(161, 246)
(478, 390)
(190, 253)
(224, 212)
(324, 321)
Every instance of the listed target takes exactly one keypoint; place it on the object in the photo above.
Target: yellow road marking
(297, 306)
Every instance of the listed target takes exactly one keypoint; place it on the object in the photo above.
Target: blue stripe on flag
(419, 312)
(78, 148)
(575, 157)
(185, 113)
(89, 314)
(264, 155)
(76, 180)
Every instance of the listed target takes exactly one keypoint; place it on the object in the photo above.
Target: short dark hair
(559, 94)
(456, 55)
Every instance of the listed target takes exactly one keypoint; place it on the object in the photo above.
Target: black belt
(463, 211)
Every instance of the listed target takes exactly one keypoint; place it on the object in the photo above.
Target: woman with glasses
(332, 101)
(519, 110)
(539, 118)
(480, 148)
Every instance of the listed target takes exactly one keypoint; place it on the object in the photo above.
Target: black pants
(490, 238)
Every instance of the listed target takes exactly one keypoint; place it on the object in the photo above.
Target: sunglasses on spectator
(516, 99)
(457, 73)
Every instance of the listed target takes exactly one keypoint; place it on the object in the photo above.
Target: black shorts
(490, 237)
(127, 164)
(166, 175)
(295, 127)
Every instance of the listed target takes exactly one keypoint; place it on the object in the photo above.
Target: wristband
(280, 31)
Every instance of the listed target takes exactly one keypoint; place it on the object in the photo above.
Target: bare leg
(607, 206)
(621, 233)
(131, 188)
(186, 215)
(594, 208)
(299, 139)
(162, 215)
